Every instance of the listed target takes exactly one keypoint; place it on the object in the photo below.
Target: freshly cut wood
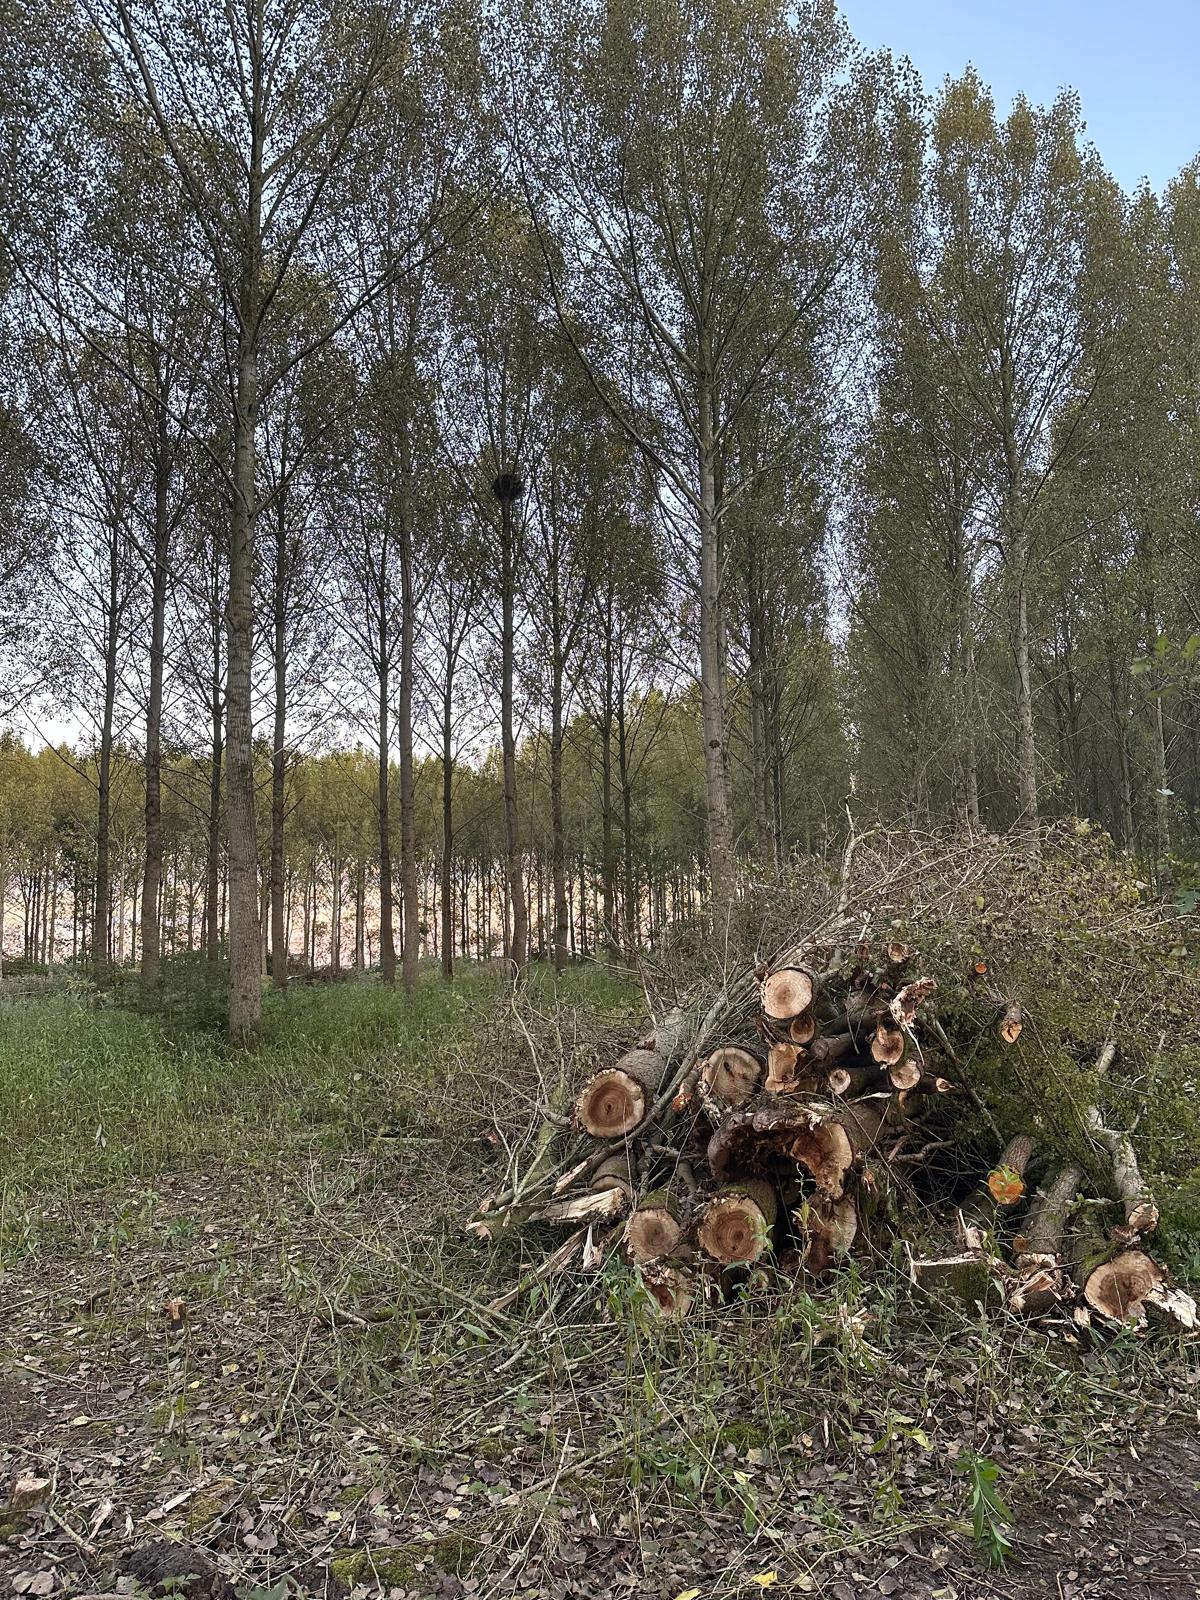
(735, 1225)
(612, 1202)
(803, 1029)
(655, 1228)
(616, 1100)
(910, 999)
(1173, 1304)
(888, 1045)
(905, 1074)
(671, 1287)
(1011, 1024)
(1006, 1181)
(730, 1076)
(1141, 1210)
(783, 1068)
(1118, 1288)
(776, 1136)
(786, 992)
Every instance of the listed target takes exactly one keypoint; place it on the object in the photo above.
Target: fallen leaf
(765, 1580)
(688, 1594)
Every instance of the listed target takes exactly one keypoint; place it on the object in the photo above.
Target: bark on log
(735, 1226)
(1043, 1234)
(1141, 1211)
(1001, 1190)
(1042, 1282)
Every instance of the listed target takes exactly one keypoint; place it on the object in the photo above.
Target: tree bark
(152, 876)
(102, 910)
(519, 929)
(410, 909)
(720, 836)
(279, 951)
(245, 985)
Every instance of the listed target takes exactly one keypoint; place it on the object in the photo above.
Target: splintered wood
(710, 1150)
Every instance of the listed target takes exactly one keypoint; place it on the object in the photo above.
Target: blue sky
(1136, 66)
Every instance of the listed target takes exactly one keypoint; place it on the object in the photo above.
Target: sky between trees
(624, 432)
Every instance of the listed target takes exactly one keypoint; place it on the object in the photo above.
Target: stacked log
(703, 1158)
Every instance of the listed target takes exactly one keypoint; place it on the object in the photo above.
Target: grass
(92, 1092)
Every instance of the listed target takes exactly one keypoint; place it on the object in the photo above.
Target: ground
(334, 1408)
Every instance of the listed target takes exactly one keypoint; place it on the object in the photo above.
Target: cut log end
(731, 1076)
(786, 993)
(654, 1230)
(1010, 1025)
(735, 1228)
(610, 1104)
(669, 1287)
(803, 1029)
(1118, 1288)
(887, 1046)
(905, 1075)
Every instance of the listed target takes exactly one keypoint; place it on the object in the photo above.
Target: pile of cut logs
(784, 1131)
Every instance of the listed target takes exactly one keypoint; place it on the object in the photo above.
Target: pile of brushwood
(825, 1104)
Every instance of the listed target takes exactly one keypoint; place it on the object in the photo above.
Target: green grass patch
(92, 1092)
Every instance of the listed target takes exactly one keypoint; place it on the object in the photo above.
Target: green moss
(399, 1565)
(389, 1564)
(205, 1508)
(12, 1523)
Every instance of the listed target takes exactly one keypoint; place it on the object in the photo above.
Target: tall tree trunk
(212, 865)
(360, 916)
(102, 908)
(558, 848)
(387, 942)
(245, 958)
(279, 950)
(1027, 794)
(720, 834)
(518, 930)
(410, 908)
(152, 877)
(447, 886)
(632, 919)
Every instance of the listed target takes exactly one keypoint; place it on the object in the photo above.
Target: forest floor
(339, 1414)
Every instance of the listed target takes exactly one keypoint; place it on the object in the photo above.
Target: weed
(989, 1514)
